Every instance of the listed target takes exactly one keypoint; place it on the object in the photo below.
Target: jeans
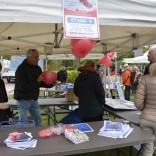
(149, 126)
(32, 107)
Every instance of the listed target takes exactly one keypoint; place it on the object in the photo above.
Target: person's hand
(10, 119)
(4, 106)
(40, 78)
(55, 83)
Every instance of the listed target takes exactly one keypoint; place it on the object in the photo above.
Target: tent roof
(69, 56)
(138, 60)
(124, 25)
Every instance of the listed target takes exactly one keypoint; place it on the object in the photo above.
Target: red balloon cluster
(106, 61)
(111, 54)
(114, 72)
(49, 77)
(81, 47)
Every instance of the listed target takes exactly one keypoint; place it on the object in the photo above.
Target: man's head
(32, 56)
(126, 65)
(151, 54)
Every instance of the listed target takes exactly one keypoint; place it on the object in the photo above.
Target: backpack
(132, 77)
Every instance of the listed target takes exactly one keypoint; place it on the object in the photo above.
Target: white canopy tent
(25, 24)
(69, 57)
(138, 60)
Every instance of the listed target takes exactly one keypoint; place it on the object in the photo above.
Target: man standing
(62, 75)
(126, 81)
(28, 80)
(151, 58)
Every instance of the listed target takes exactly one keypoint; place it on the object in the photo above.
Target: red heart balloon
(114, 72)
(74, 42)
(111, 54)
(106, 61)
(80, 48)
(49, 77)
(78, 55)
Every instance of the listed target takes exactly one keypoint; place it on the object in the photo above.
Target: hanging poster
(80, 19)
(120, 92)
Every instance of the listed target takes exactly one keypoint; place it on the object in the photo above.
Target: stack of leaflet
(76, 136)
(115, 129)
(26, 142)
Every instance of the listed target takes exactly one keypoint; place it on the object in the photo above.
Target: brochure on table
(84, 127)
(115, 129)
(120, 104)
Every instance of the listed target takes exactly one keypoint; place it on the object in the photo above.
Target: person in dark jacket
(62, 75)
(28, 80)
(151, 58)
(90, 92)
(5, 112)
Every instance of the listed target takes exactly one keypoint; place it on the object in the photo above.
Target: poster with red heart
(80, 19)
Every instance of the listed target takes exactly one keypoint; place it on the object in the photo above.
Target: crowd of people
(89, 89)
(130, 80)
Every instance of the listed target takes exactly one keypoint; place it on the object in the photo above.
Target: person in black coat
(28, 80)
(90, 92)
(5, 112)
(62, 75)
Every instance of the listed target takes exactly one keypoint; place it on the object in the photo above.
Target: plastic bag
(45, 133)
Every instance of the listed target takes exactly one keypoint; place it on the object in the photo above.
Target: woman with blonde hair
(145, 100)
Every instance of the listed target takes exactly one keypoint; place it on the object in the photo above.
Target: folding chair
(50, 116)
(17, 124)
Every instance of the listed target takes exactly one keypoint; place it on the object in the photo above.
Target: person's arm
(4, 106)
(140, 95)
(75, 89)
(66, 74)
(100, 90)
(43, 84)
(125, 77)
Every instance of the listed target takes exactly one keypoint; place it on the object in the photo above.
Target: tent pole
(77, 61)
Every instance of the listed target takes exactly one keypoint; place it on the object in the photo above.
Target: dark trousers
(127, 92)
(97, 118)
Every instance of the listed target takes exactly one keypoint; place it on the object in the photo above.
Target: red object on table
(45, 133)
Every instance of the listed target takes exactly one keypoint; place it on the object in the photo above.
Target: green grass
(112, 152)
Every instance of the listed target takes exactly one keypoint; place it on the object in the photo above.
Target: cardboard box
(70, 96)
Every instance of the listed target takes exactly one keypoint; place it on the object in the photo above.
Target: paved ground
(9, 87)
